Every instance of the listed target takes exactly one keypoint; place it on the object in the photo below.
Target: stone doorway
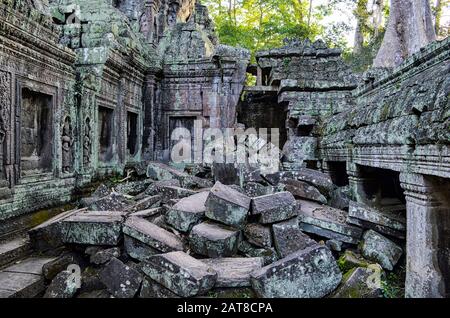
(381, 188)
(36, 132)
(132, 133)
(105, 133)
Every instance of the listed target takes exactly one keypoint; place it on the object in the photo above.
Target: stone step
(24, 279)
(13, 250)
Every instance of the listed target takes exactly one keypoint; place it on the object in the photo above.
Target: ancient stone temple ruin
(90, 93)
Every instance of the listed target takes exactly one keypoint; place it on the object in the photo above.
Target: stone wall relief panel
(37, 133)
(7, 177)
(67, 146)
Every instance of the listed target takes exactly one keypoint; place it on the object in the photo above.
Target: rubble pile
(175, 234)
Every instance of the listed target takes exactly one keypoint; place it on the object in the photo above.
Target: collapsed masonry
(89, 88)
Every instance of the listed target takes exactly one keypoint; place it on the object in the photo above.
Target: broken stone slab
(274, 208)
(315, 178)
(380, 249)
(155, 187)
(112, 202)
(49, 235)
(227, 206)
(64, 285)
(151, 237)
(253, 189)
(90, 279)
(385, 222)
(132, 188)
(334, 245)
(93, 228)
(148, 213)
(147, 203)
(169, 193)
(24, 279)
(214, 240)
(181, 273)
(269, 255)
(20, 285)
(309, 273)
(258, 234)
(151, 289)
(187, 212)
(103, 256)
(327, 222)
(137, 249)
(350, 260)
(162, 172)
(61, 263)
(289, 238)
(361, 282)
(234, 272)
(302, 190)
(96, 294)
(13, 250)
(193, 182)
(120, 280)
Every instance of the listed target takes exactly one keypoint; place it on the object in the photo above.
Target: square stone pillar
(427, 234)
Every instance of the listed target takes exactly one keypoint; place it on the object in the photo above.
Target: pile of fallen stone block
(174, 234)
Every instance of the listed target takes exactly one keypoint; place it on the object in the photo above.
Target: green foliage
(264, 24)
(393, 284)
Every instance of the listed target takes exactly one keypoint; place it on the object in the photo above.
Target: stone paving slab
(11, 251)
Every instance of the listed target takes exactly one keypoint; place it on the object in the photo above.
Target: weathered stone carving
(67, 143)
(87, 143)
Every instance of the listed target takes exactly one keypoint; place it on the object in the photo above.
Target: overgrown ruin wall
(382, 137)
(91, 87)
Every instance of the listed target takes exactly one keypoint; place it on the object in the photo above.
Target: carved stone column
(357, 183)
(428, 222)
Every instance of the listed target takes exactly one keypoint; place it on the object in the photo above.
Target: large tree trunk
(410, 28)
(377, 16)
(359, 39)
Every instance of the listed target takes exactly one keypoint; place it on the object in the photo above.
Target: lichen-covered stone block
(379, 249)
(93, 228)
(121, 280)
(214, 240)
(187, 212)
(227, 206)
(152, 235)
(180, 273)
(274, 208)
(327, 222)
(234, 272)
(385, 222)
(310, 273)
(289, 238)
(152, 289)
(258, 234)
(361, 282)
(302, 190)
